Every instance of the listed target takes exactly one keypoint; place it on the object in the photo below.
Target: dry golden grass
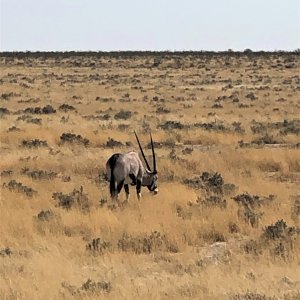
(173, 245)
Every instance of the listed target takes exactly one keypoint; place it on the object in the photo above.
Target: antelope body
(127, 168)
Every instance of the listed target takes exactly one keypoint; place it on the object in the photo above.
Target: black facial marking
(153, 185)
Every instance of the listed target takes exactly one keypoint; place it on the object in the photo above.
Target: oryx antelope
(127, 168)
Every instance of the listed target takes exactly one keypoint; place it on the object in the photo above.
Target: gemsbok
(127, 168)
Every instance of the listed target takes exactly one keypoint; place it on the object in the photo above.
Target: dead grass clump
(123, 127)
(6, 252)
(45, 215)
(252, 296)
(213, 236)
(66, 107)
(39, 174)
(98, 245)
(3, 111)
(111, 143)
(210, 182)
(243, 105)
(36, 121)
(265, 140)
(34, 143)
(213, 126)
(294, 166)
(292, 295)
(243, 144)
(195, 182)
(74, 199)
(183, 213)
(285, 127)
(146, 243)
(6, 173)
(173, 155)
(74, 139)
(248, 201)
(104, 117)
(229, 188)
(96, 287)
(104, 99)
(213, 182)
(30, 119)
(233, 227)
(237, 127)
(103, 201)
(212, 201)
(248, 208)
(88, 288)
(250, 216)
(269, 166)
(6, 96)
(169, 125)
(251, 96)
(254, 201)
(13, 129)
(169, 143)
(289, 127)
(279, 230)
(217, 104)
(253, 247)
(18, 187)
(258, 128)
(81, 231)
(157, 145)
(280, 239)
(48, 109)
(296, 208)
(123, 115)
(162, 110)
(187, 151)
(64, 119)
(48, 222)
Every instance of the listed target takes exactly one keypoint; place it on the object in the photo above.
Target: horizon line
(249, 50)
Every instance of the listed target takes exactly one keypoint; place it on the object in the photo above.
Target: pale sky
(54, 25)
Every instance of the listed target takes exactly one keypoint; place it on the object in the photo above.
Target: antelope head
(151, 180)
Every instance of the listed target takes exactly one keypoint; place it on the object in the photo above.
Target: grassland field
(226, 221)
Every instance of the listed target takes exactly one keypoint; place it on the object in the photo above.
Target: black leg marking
(133, 178)
(126, 188)
(138, 186)
(120, 185)
(113, 189)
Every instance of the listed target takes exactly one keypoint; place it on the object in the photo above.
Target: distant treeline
(129, 54)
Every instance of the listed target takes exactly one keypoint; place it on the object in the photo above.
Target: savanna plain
(226, 221)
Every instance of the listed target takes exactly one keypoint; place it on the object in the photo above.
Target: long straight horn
(142, 151)
(153, 154)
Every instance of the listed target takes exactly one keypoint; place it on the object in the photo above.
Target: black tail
(112, 184)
